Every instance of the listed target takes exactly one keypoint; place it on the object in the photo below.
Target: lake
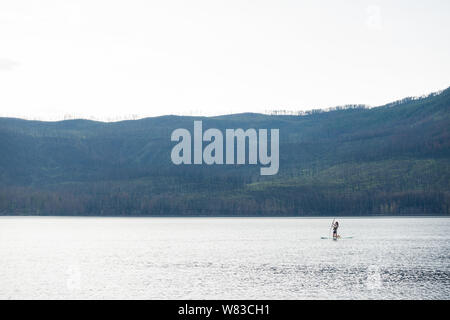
(223, 258)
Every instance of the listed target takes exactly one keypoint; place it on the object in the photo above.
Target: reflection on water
(204, 258)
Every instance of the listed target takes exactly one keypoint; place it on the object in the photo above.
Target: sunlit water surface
(215, 258)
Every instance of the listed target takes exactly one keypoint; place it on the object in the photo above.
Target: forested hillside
(388, 160)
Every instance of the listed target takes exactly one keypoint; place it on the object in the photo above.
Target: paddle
(332, 225)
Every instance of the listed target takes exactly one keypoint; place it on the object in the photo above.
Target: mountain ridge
(392, 159)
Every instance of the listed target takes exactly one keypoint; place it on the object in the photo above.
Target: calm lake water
(223, 258)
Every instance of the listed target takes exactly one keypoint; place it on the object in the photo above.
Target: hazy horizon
(113, 60)
(126, 117)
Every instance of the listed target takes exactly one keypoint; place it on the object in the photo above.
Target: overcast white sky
(110, 59)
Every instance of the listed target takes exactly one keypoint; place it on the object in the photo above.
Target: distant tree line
(391, 160)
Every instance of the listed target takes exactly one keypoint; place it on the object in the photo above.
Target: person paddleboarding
(335, 228)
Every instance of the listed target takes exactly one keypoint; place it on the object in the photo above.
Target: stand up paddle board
(339, 237)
